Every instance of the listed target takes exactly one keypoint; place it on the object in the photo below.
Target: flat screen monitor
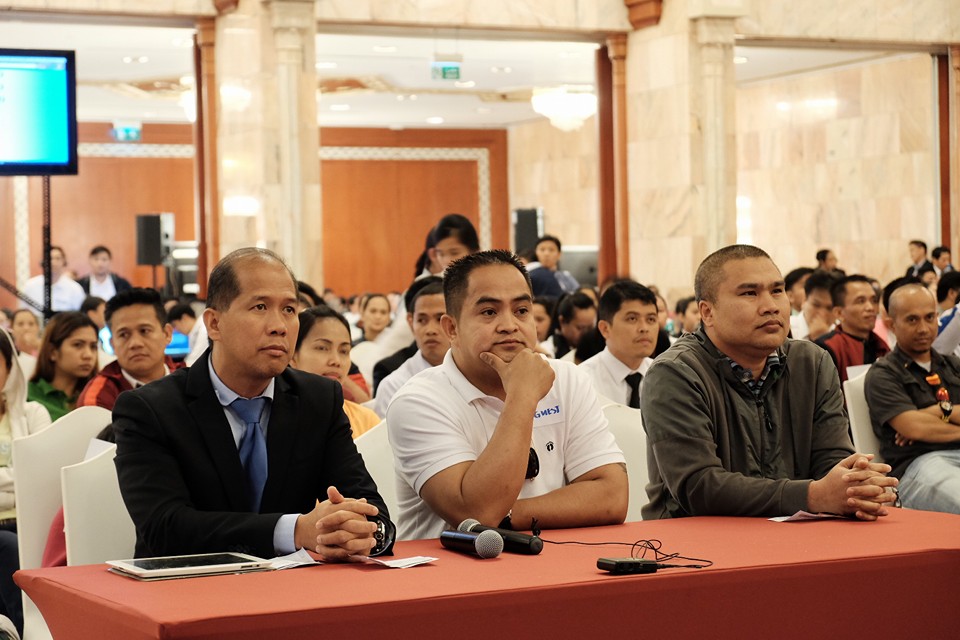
(38, 112)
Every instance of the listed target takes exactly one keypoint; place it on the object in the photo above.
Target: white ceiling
(498, 98)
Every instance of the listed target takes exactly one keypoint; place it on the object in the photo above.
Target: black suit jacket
(391, 363)
(180, 473)
(120, 284)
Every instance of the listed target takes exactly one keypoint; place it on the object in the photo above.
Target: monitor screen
(38, 112)
(178, 349)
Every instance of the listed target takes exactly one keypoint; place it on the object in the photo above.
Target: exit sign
(445, 70)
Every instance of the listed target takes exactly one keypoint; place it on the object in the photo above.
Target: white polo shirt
(392, 383)
(439, 419)
(608, 374)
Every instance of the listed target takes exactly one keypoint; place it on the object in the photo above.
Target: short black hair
(431, 289)
(616, 294)
(710, 272)
(223, 286)
(456, 278)
(100, 249)
(838, 291)
(454, 225)
(795, 276)
(683, 303)
(309, 317)
(6, 349)
(567, 307)
(136, 295)
(548, 238)
(822, 254)
(949, 280)
(91, 303)
(416, 286)
(919, 243)
(939, 251)
(305, 289)
(177, 311)
(819, 280)
(893, 285)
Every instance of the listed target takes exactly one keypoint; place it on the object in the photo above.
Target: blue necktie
(253, 448)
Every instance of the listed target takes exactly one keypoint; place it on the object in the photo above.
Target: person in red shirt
(853, 342)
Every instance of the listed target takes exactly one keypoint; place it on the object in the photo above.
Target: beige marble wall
(909, 21)
(119, 7)
(557, 171)
(547, 15)
(842, 159)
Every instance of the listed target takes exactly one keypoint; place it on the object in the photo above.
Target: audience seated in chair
(65, 293)
(101, 281)
(391, 363)
(853, 343)
(66, 362)
(816, 318)
(576, 315)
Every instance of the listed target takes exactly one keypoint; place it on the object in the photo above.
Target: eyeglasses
(533, 465)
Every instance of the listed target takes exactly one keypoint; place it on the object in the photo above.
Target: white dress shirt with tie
(609, 374)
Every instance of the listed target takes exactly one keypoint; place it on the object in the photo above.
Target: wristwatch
(385, 535)
(946, 407)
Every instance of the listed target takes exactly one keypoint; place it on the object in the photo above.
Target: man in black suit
(918, 258)
(193, 463)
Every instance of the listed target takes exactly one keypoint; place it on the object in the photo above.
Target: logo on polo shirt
(549, 411)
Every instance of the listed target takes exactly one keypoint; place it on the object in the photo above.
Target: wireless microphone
(513, 541)
(486, 544)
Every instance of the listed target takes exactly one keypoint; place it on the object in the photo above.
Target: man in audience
(234, 453)
(745, 422)
(95, 308)
(941, 261)
(394, 361)
(853, 342)
(918, 258)
(432, 343)
(795, 282)
(576, 314)
(816, 318)
(65, 294)
(497, 432)
(910, 394)
(628, 323)
(138, 335)
(827, 261)
(101, 281)
(183, 319)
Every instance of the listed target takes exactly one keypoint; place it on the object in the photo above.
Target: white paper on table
(401, 563)
(301, 558)
(802, 516)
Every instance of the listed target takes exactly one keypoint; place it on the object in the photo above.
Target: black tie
(634, 381)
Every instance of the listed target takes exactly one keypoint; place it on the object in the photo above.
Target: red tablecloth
(897, 577)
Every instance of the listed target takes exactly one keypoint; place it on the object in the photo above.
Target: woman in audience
(543, 308)
(66, 362)
(323, 348)
(374, 316)
(18, 418)
(688, 316)
(25, 329)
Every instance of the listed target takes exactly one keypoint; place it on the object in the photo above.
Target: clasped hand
(338, 528)
(868, 488)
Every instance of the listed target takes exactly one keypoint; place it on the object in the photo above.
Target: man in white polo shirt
(496, 432)
(629, 324)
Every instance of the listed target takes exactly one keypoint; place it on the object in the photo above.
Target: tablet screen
(181, 562)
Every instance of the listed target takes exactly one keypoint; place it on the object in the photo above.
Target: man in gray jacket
(743, 421)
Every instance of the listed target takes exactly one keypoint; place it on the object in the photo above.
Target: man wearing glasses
(496, 432)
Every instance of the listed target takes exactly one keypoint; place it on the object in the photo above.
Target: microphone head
(489, 544)
(468, 524)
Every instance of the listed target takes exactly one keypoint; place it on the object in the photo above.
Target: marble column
(269, 177)
(617, 49)
(714, 94)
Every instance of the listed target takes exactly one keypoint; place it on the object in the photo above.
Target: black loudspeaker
(527, 228)
(154, 238)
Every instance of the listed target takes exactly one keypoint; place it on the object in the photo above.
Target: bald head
(910, 296)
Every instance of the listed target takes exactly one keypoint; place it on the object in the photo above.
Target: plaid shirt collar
(773, 364)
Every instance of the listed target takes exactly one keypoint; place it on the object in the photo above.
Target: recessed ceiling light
(435, 120)
(496, 69)
(740, 60)
(339, 107)
(326, 65)
(464, 84)
(384, 49)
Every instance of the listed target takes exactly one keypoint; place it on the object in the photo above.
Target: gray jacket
(715, 449)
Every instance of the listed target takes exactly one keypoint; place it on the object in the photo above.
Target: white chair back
(627, 428)
(366, 355)
(38, 459)
(864, 439)
(95, 520)
(378, 458)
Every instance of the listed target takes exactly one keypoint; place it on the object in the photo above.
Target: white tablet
(203, 564)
